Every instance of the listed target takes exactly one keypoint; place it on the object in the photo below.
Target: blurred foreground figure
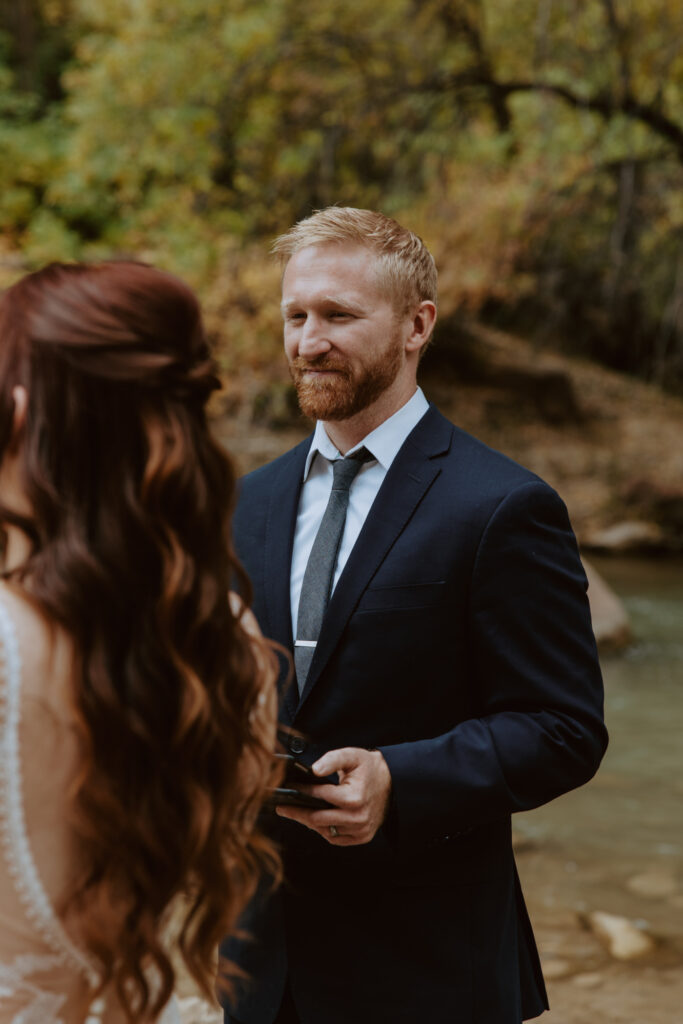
(137, 722)
(451, 680)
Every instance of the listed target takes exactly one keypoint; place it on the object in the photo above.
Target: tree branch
(601, 103)
(606, 107)
(619, 44)
(459, 25)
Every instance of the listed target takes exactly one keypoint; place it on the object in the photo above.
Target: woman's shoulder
(20, 619)
(43, 649)
(21, 609)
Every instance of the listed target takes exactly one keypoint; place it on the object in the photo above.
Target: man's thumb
(343, 760)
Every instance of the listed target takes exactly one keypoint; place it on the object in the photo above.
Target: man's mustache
(299, 364)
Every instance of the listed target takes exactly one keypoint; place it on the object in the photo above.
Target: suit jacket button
(297, 745)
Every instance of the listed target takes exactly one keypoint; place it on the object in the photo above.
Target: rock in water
(655, 884)
(611, 623)
(623, 940)
(555, 967)
(591, 979)
(630, 536)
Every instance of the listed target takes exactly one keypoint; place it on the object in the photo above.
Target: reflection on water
(629, 819)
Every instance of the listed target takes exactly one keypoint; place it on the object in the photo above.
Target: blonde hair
(405, 267)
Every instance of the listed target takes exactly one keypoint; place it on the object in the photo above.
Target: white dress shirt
(383, 443)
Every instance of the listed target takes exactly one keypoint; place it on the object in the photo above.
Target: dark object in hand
(296, 773)
(296, 797)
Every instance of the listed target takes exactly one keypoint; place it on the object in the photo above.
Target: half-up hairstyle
(131, 502)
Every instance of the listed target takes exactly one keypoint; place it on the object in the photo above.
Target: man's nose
(313, 341)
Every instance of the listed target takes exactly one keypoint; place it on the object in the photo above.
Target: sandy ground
(586, 985)
(618, 995)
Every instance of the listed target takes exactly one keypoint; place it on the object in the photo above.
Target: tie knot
(345, 470)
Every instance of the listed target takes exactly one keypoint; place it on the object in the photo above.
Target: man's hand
(360, 800)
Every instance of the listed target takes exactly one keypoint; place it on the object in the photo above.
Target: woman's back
(43, 973)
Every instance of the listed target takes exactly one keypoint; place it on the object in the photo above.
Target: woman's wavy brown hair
(131, 503)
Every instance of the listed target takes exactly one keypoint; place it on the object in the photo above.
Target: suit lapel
(409, 478)
(279, 541)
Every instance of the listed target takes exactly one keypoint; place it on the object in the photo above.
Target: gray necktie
(317, 582)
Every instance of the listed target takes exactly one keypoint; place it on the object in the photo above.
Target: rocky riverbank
(604, 968)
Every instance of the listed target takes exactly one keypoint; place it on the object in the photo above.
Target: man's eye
(296, 316)
(337, 314)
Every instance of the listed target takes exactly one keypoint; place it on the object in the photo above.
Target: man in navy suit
(453, 681)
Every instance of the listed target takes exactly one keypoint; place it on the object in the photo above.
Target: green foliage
(537, 144)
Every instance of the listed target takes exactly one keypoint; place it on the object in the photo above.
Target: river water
(619, 840)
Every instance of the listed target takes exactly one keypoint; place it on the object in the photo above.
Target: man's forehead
(333, 248)
(334, 271)
(337, 258)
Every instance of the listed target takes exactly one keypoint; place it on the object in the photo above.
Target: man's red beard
(340, 394)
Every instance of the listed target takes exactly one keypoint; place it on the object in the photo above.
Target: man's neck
(346, 434)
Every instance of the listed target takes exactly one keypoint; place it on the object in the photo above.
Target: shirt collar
(383, 442)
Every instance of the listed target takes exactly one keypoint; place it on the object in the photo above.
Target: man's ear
(423, 320)
(20, 399)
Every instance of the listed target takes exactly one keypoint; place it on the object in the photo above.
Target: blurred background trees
(537, 145)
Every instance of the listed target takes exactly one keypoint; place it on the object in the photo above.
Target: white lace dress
(44, 977)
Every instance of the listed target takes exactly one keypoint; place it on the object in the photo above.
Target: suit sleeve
(535, 680)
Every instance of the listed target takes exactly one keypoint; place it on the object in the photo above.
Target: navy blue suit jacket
(458, 641)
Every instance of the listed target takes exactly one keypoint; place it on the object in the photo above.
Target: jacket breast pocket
(408, 596)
